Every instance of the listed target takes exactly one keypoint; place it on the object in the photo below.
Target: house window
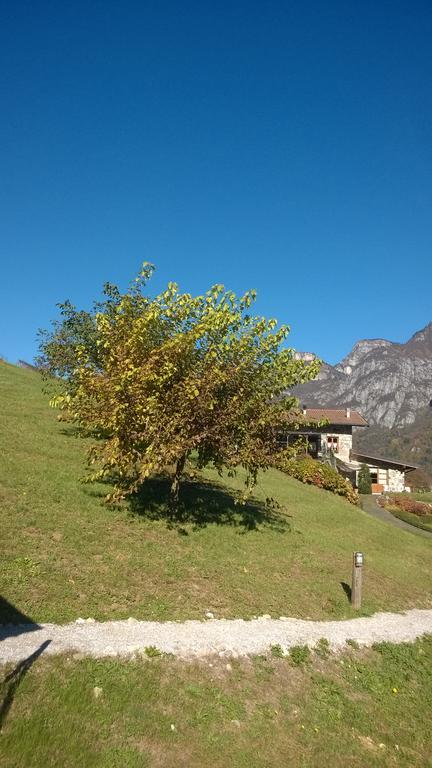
(333, 443)
(373, 475)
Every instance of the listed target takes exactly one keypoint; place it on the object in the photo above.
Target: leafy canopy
(158, 378)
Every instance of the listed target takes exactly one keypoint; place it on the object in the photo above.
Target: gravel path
(204, 638)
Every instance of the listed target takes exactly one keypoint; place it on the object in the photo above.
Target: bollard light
(357, 574)
(358, 559)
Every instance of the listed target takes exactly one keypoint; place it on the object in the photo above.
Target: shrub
(277, 651)
(419, 508)
(364, 480)
(352, 643)
(314, 472)
(152, 652)
(322, 648)
(299, 655)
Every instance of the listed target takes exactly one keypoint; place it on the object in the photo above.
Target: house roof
(335, 416)
(375, 460)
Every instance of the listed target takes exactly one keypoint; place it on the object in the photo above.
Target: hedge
(314, 472)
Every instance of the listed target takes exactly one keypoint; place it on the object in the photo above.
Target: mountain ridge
(388, 382)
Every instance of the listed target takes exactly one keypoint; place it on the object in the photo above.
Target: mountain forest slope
(411, 443)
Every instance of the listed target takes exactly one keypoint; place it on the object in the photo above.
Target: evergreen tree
(364, 480)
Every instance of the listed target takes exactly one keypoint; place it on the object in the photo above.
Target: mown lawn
(424, 522)
(64, 554)
(360, 708)
(427, 496)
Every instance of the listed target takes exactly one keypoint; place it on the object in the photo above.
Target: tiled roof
(335, 416)
(362, 458)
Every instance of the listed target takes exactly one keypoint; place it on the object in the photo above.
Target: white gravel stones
(197, 639)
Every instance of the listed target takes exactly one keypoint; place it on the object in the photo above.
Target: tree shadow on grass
(203, 504)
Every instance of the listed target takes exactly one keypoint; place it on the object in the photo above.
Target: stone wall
(344, 444)
(396, 481)
(391, 480)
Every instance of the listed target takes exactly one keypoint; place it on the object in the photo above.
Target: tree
(364, 480)
(60, 348)
(156, 379)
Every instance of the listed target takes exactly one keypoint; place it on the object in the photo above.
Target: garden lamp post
(357, 573)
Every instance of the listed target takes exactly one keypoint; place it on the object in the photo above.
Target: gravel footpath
(192, 639)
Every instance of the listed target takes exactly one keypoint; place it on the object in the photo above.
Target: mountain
(388, 382)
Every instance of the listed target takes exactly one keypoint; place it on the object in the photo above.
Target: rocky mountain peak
(359, 352)
(307, 356)
(388, 382)
(421, 340)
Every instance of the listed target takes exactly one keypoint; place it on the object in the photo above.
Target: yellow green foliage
(158, 378)
(309, 470)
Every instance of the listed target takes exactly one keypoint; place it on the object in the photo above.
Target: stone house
(328, 434)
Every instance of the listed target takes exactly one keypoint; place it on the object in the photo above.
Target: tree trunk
(175, 485)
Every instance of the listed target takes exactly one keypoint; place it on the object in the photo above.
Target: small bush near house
(364, 480)
(314, 472)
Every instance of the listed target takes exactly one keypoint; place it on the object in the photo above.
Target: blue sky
(282, 146)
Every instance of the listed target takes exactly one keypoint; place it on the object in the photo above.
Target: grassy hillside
(64, 554)
(364, 708)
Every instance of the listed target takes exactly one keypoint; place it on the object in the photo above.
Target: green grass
(426, 496)
(64, 554)
(360, 708)
(424, 521)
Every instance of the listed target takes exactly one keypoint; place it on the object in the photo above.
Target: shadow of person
(13, 622)
(347, 589)
(13, 679)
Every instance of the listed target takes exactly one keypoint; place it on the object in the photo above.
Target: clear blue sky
(282, 146)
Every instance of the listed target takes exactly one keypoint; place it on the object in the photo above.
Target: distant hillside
(388, 382)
